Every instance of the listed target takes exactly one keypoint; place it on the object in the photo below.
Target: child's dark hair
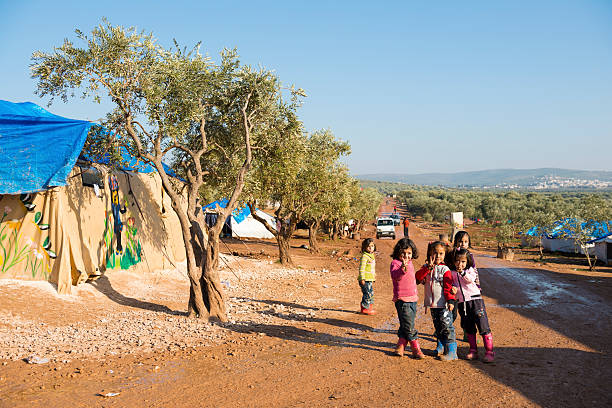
(432, 245)
(462, 252)
(402, 245)
(459, 236)
(366, 243)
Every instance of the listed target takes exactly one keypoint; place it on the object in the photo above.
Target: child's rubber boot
(416, 349)
(363, 309)
(370, 310)
(473, 353)
(439, 349)
(401, 345)
(488, 344)
(450, 352)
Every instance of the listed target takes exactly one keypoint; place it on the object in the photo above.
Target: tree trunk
(334, 231)
(540, 249)
(313, 227)
(210, 282)
(283, 250)
(588, 257)
(196, 305)
(208, 291)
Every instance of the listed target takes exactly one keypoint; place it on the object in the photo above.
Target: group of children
(451, 284)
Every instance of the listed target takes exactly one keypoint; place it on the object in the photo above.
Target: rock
(37, 360)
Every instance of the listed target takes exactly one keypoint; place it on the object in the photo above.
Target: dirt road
(551, 333)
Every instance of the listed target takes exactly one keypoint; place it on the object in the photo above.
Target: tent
(561, 239)
(63, 220)
(241, 224)
(37, 149)
(603, 249)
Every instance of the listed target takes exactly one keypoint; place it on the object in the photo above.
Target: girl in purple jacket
(405, 295)
(471, 305)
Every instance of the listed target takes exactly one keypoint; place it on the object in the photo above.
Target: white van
(385, 227)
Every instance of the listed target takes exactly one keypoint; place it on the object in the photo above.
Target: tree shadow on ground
(551, 376)
(571, 306)
(554, 300)
(314, 337)
(103, 285)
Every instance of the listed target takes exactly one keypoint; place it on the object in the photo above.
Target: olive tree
(162, 101)
(294, 176)
(584, 221)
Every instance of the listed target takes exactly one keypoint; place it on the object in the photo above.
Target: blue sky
(413, 86)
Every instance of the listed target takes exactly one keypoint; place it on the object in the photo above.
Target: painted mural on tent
(25, 243)
(120, 257)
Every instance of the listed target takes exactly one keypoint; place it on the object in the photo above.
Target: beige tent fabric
(65, 234)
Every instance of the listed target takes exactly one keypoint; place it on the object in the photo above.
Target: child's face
(438, 255)
(370, 247)
(464, 242)
(406, 255)
(460, 263)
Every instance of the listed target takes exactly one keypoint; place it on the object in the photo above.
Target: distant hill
(504, 178)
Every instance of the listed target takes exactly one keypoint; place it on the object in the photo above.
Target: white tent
(241, 221)
(249, 227)
(561, 245)
(603, 249)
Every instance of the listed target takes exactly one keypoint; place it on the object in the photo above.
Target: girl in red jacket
(405, 295)
(440, 298)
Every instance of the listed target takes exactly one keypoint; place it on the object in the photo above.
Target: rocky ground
(295, 338)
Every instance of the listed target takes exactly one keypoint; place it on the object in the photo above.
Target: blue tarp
(37, 148)
(131, 163)
(239, 214)
(562, 229)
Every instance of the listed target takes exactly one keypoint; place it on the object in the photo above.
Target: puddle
(539, 289)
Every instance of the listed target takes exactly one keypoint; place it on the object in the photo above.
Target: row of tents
(64, 218)
(561, 238)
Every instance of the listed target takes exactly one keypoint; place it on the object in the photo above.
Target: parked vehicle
(385, 227)
(396, 219)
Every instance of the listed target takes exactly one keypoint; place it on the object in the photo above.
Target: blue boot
(439, 349)
(450, 352)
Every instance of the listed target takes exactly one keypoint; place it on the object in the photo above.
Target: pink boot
(473, 353)
(416, 349)
(401, 344)
(488, 343)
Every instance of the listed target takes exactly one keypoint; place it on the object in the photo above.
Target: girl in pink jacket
(471, 305)
(405, 295)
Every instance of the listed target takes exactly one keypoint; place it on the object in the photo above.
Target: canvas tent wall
(561, 245)
(65, 233)
(561, 238)
(241, 224)
(249, 227)
(603, 249)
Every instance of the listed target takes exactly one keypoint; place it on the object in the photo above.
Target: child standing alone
(471, 305)
(439, 296)
(367, 276)
(405, 295)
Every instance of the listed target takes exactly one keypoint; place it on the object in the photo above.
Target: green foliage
(173, 105)
(300, 171)
(583, 220)
(509, 212)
